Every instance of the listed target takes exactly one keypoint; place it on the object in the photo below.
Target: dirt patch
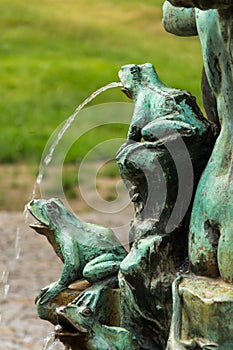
(24, 263)
(17, 182)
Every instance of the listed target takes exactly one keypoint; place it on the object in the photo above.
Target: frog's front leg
(41, 297)
(164, 127)
(51, 291)
(70, 272)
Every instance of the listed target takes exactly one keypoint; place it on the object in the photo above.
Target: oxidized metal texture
(175, 136)
(174, 133)
(210, 241)
(47, 311)
(203, 310)
(88, 251)
(182, 22)
(95, 335)
(203, 4)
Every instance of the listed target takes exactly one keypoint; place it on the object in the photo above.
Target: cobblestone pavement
(27, 263)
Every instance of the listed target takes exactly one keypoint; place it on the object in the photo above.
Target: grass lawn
(55, 53)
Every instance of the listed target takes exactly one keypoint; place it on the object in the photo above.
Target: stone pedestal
(202, 315)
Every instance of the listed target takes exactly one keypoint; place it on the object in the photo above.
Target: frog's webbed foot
(92, 295)
(49, 292)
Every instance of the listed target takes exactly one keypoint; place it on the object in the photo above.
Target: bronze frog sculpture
(169, 143)
(173, 130)
(83, 322)
(160, 110)
(88, 251)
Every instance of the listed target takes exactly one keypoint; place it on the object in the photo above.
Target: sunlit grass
(55, 53)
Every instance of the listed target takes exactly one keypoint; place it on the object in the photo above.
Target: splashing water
(5, 276)
(17, 244)
(4, 279)
(67, 124)
(5, 284)
(6, 290)
(25, 214)
(50, 342)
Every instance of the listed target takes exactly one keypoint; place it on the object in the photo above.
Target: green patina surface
(169, 143)
(210, 242)
(171, 152)
(204, 317)
(95, 334)
(203, 311)
(88, 251)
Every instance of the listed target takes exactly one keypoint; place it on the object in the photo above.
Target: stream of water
(47, 160)
(50, 342)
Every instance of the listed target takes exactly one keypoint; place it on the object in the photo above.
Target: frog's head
(44, 211)
(76, 319)
(133, 76)
(130, 77)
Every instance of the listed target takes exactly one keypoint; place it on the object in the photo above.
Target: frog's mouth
(67, 326)
(128, 92)
(64, 331)
(39, 225)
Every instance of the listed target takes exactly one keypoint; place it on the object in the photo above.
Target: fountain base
(202, 315)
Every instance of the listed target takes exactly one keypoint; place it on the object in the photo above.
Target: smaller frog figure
(87, 250)
(82, 321)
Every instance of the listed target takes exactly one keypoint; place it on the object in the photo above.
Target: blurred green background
(55, 53)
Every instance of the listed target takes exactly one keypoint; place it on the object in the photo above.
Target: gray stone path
(27, 263)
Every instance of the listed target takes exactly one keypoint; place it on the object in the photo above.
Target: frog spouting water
(169, 143)
(160, 111)
(176, 135)
(87, 250)
(82, 321)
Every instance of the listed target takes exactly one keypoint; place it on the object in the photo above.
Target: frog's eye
(135, 69)
(53, 208)
(86, 312)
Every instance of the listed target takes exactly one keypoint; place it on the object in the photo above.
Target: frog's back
(93, 240)
(97, 240)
